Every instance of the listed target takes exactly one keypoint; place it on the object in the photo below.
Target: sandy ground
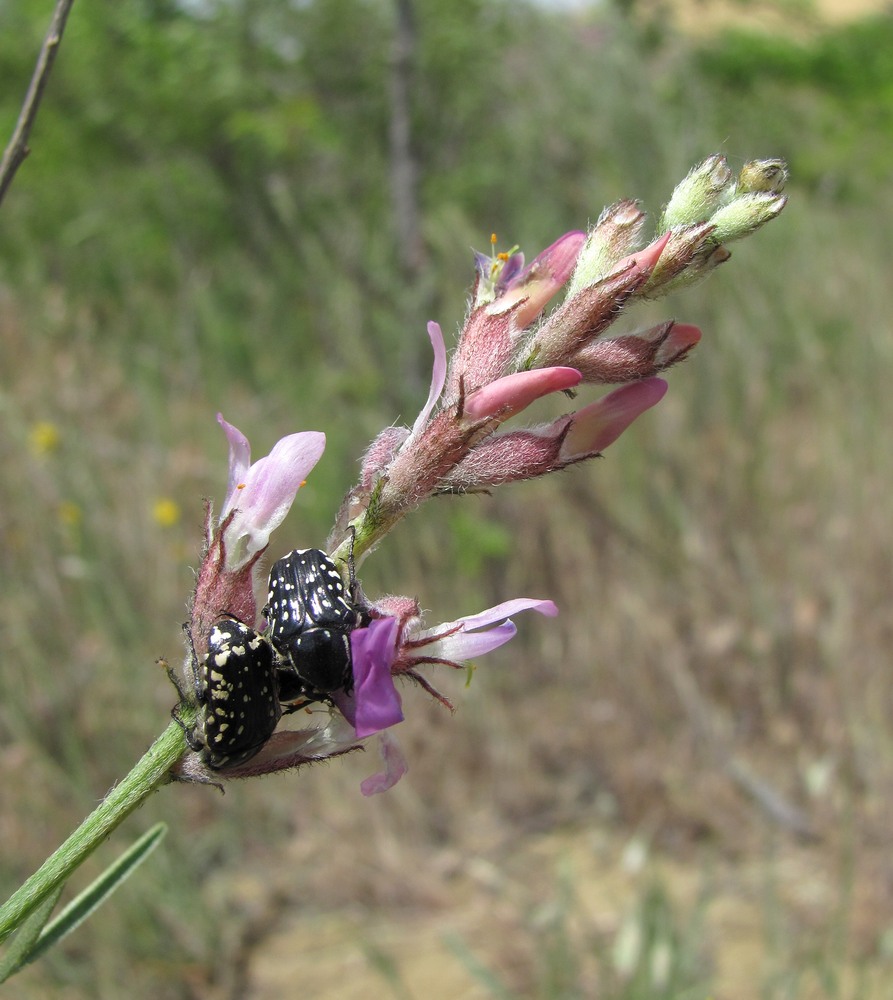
(431, 951)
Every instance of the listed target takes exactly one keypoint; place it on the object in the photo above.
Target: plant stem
(150, 772)
(17, 149)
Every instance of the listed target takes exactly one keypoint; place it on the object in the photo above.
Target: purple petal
(483, 262)
(376, 702)
(395, 767)
(239, 456)
(438, 377)
(496, 273)
(509, 272)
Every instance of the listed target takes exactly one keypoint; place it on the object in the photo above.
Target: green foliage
(851, 62)
(839, 81)
(234, 163)
(37, 936)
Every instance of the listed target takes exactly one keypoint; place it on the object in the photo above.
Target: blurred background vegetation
(681, 787)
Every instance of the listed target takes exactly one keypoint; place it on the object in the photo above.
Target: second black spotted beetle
(310, 620)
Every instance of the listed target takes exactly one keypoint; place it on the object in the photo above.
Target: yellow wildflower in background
(43, 437)
(69, 513)
(166, 512)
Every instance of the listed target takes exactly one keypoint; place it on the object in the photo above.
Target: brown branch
(17, 150)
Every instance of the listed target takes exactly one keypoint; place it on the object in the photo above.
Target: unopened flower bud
(683, 250)
(697, 197)
(380, 454)
(745, 215)
(636, 355)
(762, 175)
(508, 458)
(614, 237)
(513, 393)
(699, 268)
(596, 426)
(586, 315)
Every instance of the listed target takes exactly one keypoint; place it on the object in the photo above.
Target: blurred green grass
(204, 224)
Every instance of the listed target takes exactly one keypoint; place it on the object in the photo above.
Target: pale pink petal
(267, 492)
(459, 640)
(461, 646)
(513, 393)
(505, 610)
(395, 767)
(596, 426)
(438, 376)
(239, 458)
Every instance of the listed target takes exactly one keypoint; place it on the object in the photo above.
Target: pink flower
(536, 451)
(488, 341)
(392, 645)
(259, 496)
(535, 285)
(389, 647)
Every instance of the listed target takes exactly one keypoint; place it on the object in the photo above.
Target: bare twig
(18, 149)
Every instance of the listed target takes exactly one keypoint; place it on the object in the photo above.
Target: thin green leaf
(98, 891)
(20, 950)
(387, 968)
(476, 968)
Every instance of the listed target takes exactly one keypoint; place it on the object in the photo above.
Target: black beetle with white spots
(310, 620)
(237, 691)
(246, 680)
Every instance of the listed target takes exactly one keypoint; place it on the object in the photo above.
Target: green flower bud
(745, 215)
(697, 197)
(767, 176)
(615, 236)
